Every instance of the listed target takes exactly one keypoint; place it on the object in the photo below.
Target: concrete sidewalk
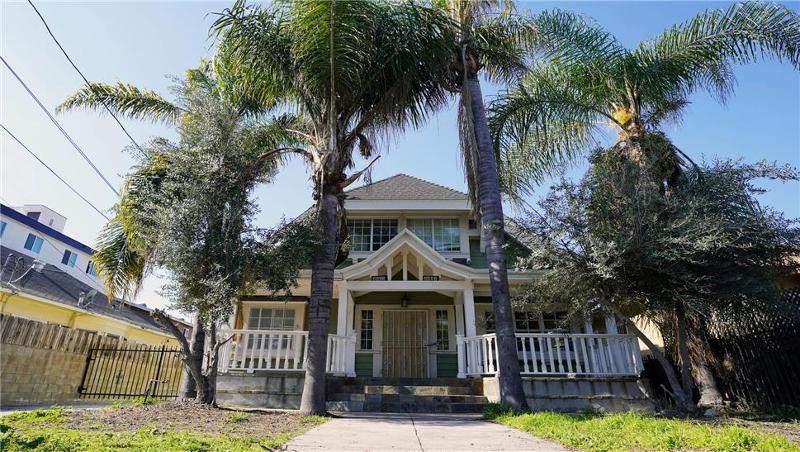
(416, 432)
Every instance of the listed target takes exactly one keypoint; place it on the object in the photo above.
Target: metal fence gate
(151, 371)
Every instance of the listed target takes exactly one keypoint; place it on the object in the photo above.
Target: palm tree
(589, 80)
(351, 72)
(213, 121)
(494, 44)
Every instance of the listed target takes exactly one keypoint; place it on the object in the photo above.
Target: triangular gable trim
(406, 237)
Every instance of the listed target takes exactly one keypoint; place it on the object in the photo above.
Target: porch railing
(275, 350)
(554, 354)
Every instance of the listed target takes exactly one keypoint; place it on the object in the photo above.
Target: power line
(108, 109)
(64, 132)
(54, 173)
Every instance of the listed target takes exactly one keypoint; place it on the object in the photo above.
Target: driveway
(416, 432)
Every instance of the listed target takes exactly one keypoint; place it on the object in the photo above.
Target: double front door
(404, 344)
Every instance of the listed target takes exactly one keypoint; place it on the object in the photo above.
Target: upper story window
(69, 258)
(371, 233)
(2, 228)
(442, 234)
(34, 243)
(34, 215)
(91, 269)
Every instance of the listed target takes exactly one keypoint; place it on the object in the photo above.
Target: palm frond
(572, 39)
(118, 264)
(503, 43)
(124, 99)
(699, 52)
(545, 121)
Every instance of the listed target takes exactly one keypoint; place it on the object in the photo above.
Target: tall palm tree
(351, 71)
(492, 43)
(214, 121)
(590, 81)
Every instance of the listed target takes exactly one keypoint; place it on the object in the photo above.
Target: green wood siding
(446, 365)
(364, 364)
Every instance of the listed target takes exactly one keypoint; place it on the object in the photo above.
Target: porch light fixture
(404, 300)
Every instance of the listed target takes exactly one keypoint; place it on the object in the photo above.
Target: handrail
(253, 350)
(554, 354)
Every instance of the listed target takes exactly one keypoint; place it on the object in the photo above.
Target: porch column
(341, 312)
(469, 310)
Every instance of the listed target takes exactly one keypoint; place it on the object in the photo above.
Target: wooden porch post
(469, 310)
(341, 313)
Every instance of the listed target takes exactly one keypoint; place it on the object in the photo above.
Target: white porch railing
(274, 350)
(555, 354)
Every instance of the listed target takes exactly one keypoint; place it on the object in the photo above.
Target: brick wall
(43, 363)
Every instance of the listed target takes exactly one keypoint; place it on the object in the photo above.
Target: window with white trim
(280, 319)
(369, 234)
(69, 258)
(442, 330)
(442, 234)
(271, 319)
(34, 243)
(367, 325)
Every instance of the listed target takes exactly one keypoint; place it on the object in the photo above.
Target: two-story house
(412, 304)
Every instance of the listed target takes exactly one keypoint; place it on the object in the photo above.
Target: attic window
(378, 278)
(34, 215)
(430, 278)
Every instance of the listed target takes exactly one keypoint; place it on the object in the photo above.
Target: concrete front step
(405, 398)
(405, 407)
(421, 390)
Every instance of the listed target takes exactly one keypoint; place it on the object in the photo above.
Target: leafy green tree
(590, 80)
(185, 206)
(490, 42)
(614, 243)
(351, 71)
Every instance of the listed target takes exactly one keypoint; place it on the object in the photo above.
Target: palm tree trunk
(492, 220)
(319, 308)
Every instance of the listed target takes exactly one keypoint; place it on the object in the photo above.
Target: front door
(405, 334)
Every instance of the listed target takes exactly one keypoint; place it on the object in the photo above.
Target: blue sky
(143, 42)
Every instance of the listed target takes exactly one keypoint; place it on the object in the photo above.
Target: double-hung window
(367, 325)
(280, 319)
(442, 234)
(442, 330)
(69, 258)
(34, 243)
(369, 234)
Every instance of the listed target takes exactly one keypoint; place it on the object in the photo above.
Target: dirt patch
(185, 416)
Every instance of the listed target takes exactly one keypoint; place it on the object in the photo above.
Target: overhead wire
(88, 83)
(58, 125)
(54, 173)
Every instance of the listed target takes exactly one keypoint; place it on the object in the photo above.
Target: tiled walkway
(416, 432)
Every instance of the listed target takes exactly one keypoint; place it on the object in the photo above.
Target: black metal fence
(149, 371)
(758, 355)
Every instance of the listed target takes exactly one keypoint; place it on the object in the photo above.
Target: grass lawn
(621, 432)
(164, 426)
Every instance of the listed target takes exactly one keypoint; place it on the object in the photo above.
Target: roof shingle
(405, 187)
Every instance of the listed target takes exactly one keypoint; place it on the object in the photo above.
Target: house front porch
(407, 312)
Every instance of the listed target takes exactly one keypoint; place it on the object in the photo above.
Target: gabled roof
(403, 186)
